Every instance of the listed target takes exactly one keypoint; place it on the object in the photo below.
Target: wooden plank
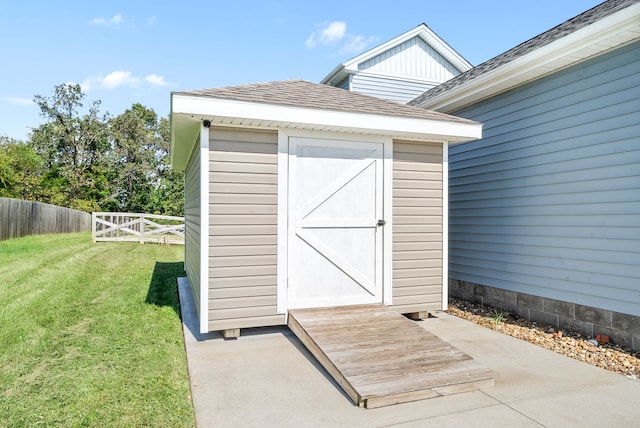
(317, 352)
(231, 333)
(380, 358)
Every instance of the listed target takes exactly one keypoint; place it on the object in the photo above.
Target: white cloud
(336, 32)
(330, 33)
(19, 101)
(119, 78)
(111, 81)
(156, 80)
(114, 20)
(355, 44)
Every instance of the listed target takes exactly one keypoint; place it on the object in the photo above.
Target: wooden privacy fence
(161, 229)
(22, 218)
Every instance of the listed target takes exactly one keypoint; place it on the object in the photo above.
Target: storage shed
(301, 195)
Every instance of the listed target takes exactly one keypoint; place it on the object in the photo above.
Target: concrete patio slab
(267, 378)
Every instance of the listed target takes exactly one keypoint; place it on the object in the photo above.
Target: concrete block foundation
(622, 329)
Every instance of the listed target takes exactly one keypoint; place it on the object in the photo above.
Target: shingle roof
(304, 94)
(589, 17)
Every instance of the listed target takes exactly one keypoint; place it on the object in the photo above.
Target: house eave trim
(606, 34)
(275, 116)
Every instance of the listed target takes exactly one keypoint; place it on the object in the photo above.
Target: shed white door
(335, 244)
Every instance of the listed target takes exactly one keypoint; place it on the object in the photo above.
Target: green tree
(73, 146)
(21, 170)
(133, 162)
(169, 193)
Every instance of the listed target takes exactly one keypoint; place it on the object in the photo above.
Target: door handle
(381, 222)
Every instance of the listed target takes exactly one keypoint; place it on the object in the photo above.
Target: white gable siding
(548, 202)
(398, 90)
(413, 58)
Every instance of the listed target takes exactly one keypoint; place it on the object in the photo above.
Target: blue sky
(123, 52)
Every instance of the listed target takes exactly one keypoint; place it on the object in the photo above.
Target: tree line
(83, 159)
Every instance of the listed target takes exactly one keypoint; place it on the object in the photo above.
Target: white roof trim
(610, 32)
(187, 111)
(422, 31)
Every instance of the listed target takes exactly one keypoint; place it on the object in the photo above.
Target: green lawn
(90, 334)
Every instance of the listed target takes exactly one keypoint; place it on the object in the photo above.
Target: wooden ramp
(380, 358)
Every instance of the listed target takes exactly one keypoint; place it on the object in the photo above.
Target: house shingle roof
(589, 17)
(304, 94)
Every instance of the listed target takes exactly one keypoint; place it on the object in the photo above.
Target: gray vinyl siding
(243, 174)
(413, 58)
(388, 88)
(417, 226)
(548, 202)
(192, 223)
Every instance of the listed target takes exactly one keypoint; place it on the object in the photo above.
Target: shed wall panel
(548, 202)
(242, 229)
(193, 234)
(417, 226)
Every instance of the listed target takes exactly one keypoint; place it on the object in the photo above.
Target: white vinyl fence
(160, 229)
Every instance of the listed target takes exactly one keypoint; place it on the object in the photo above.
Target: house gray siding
(388, 88)
(548, 202)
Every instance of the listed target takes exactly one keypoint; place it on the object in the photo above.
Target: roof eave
(336, 75)
(189, 111)
(608, 33)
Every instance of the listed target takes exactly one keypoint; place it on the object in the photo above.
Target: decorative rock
(607, 356)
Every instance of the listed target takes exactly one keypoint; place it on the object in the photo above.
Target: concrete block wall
(622, 329)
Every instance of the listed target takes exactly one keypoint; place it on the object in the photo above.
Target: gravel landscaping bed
(575, 345)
